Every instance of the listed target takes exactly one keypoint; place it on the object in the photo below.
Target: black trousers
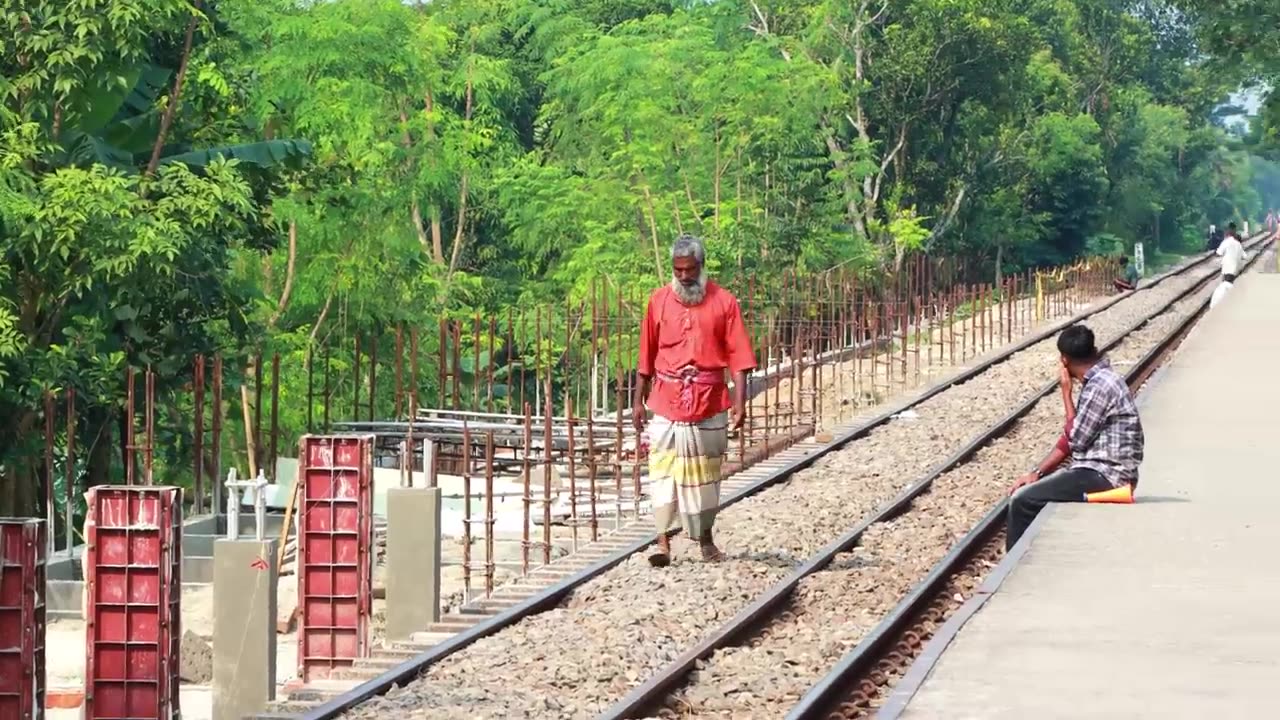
(1069, 485)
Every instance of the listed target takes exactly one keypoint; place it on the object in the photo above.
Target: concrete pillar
(413, 560)
(244, 627)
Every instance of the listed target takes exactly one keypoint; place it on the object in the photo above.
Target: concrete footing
(413, 560)
(244, 627)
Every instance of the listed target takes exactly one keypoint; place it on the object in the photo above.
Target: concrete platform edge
(910, 683)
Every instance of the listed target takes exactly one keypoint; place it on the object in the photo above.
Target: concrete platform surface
(1165, 608)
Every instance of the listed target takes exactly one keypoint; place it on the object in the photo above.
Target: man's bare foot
(711, 553)
(661, 556)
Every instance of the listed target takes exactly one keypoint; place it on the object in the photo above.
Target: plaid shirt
(1107, 434)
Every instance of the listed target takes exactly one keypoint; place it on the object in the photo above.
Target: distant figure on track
(1129, 280)
(1105, 439)
(1233, 256)
(1215, 239)
(692, 333)
(1232, 253)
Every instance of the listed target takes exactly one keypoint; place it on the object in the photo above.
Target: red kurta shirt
(709, 336)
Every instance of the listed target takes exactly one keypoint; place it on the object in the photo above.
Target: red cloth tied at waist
(687, 378)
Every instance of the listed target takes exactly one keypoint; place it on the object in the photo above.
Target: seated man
(1130, 278)
(1104, 437)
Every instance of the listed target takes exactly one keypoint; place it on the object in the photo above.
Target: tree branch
(166, 121)
(288, 276)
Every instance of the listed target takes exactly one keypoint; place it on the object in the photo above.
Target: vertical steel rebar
(257, 405)
(456, 370)
(399, 395)
(413, 402)
(275, 416)
(356, 379)
(546, 481)
(197, 439)
(527, 498)
(215, 437)
(442, 367)
(573, 474)
(490, 365)
(50, 513)
(328, 390)
(475, 367)
(521, 349)
(150, 419)
(69, 492)
(466, 511)
(488, 514)
(311, 397)
(591, 409)
(129, 410)
(632, 360)
(373, 375)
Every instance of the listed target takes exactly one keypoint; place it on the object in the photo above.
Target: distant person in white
(1232, 253)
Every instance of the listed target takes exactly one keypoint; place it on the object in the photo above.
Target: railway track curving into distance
(622, 639)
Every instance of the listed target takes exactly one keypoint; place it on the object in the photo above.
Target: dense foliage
(241, 176)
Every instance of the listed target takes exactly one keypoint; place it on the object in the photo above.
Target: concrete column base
(244, 627)
(413, 560)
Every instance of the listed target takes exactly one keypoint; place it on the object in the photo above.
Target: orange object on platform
(1122, 495)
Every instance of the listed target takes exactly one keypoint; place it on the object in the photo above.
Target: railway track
(619, 625)
(865, 680)
(763, 660)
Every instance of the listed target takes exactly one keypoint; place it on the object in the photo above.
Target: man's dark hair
(1231, 227)
(1124, 259)
(1076, 343)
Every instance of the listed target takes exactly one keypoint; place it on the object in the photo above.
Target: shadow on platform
(1144, 499)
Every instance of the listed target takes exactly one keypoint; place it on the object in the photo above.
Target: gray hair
(688, 246)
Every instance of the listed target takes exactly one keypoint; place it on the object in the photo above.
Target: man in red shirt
(692, 333)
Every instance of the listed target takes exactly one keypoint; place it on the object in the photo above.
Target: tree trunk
(415, 214)
(98, 469)
(26, 503)
(653, 232)
(8, 492)
(462, 191)
(290, 264)
(719, 171)
(437, 237)
(437, 234)
(250, 371)
(166, 120)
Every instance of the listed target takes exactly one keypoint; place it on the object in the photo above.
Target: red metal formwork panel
(335, 552)
(133, 588)
(22, 622)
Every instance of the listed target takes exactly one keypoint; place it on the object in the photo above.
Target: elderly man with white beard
(692, 334)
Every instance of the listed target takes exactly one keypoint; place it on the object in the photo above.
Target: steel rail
(649, 694)
(818, 702)
(548, 598)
